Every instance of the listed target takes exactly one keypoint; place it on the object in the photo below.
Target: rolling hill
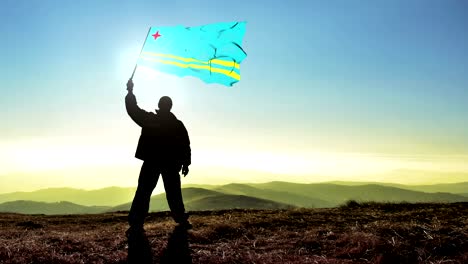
(198, 199)
(338, 194)
(271, 195)
(449, 187)
(274, 195)
(110, 196)
(30, 207)
(456, 188)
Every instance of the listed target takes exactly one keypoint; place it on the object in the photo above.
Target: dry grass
(353, 233)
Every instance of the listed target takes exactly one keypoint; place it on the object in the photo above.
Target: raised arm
(140, 116)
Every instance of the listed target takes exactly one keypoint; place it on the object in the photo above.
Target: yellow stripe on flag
(213, 61)
(228, 73)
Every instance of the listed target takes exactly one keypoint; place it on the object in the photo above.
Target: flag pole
(136, 64)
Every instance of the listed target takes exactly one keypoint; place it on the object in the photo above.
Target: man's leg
(172, 186)
(147, 180)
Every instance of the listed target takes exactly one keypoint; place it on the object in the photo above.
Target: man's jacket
(163, 139)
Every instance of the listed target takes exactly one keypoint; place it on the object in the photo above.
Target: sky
(330, 90)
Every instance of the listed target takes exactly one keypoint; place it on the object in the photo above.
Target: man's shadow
(139, 249)
(176, 251)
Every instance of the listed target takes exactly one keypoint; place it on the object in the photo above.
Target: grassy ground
(355, 233)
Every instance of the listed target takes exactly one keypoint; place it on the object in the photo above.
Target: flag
(211, 52)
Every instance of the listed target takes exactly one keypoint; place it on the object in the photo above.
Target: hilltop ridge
(271, 195)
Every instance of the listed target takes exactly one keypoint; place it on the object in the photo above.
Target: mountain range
(110, 196)
(31, 207)
(271, 195)
(457, 188)
(198, 199)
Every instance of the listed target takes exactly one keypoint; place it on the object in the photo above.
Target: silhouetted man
(164, 147)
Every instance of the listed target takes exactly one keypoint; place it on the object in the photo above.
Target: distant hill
(202, 186)
(449, 187)
(337, 194)
(230, 201)
(30, 207)
(198, 199)
(273, 195)
(456, 188)
(110, 196)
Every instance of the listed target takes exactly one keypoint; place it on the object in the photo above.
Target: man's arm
(140, 116)
(186, 151)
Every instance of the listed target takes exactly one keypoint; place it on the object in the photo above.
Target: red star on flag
(156, 35)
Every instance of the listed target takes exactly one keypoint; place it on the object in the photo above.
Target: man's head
(165, 104)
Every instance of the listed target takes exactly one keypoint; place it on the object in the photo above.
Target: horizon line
(246, 183)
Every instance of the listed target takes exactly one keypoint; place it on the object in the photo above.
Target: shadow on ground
(176, 251)
(139, 249)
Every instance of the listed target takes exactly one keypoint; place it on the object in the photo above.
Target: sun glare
(34, 156)
(115, 164)
(150, 85)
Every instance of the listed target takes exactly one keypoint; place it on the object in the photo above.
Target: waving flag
(212, 52)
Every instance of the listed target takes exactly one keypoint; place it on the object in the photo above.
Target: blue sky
(368, 77)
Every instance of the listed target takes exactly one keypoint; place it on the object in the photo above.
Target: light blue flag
(212, 52)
